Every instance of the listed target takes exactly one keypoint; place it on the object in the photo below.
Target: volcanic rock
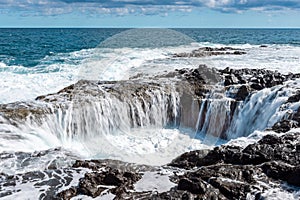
(209, 51)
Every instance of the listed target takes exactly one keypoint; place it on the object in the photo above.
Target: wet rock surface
(257, 79)
(285, 125)
(226, 172)
(188, 81)
(234, 171)
(270, 148)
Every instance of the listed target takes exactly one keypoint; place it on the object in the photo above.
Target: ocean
(40, 61)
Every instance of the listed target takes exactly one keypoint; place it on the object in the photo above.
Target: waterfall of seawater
(121, 125)
(262, 110)
(130, 121)
(215, 113)
(221, 116)
(109, 115)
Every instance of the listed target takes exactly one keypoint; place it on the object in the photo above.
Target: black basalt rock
(282, 171)
(193, 185)
(95, 182)
(67, 194)
(269, 148)
(284, 126)
(294, 98)
(243, 93)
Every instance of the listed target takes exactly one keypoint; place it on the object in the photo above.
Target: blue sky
(150, 13)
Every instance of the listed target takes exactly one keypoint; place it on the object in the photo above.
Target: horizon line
(138, 27)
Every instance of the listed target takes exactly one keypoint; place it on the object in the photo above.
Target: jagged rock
(209, 51)
(67, 194)
(257, 79)
(198, 158)
(232, 181)
(201, 75)
(189, 160)
(192, 185)
(242, 79)
(282, 171)
(243, 93)
(231, 80)
(294, 98)
(269, 148)
(237, 177)
(107, 164)
(284, 126)
(90, 184)
(238, 53)
(232, 190)
(256, 86)
(199, 188)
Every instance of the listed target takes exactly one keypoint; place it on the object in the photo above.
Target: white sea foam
(154, 182)
(283, 58)
(23, 83)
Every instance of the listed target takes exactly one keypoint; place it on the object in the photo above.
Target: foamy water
(22, 83)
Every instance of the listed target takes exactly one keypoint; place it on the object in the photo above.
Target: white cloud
(125, 7)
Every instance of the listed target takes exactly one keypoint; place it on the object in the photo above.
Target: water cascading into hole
(215, 114)
(224, 117)
(110, 114)
(262, 110)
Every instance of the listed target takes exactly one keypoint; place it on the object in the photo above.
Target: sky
(151, 13)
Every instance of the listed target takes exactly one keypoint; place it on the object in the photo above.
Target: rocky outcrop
(257, 79)
(292, 120)
(231, 181)
(94, 183)
(283, 171)
(226, 172)
(233, 171)
(106, 176)
(209, 51)
(284, 126)
(269, 148)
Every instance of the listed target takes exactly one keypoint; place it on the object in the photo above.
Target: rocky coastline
(229, 171)
(226, 172)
